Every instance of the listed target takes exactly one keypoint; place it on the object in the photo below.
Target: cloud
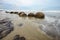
(19, 2)
(25, 2)
(33, 4)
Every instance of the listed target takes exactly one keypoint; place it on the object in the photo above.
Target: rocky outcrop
(31, 15)
(17, 37)
(6, 27)
(22, 14)
(52, 29)
(39, 15)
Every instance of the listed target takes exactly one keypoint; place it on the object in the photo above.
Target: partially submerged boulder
(16, 37)
(39, 15)
(6, 27)
(22, 14)
(31, 15)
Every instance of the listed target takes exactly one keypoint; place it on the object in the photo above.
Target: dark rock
(39, 15)
(15, 12)
(22, 38)
(6, 12)
(6, 27)
(31, 15)
(22, 14)
(11, 12)
(17, 37)
(21, 24)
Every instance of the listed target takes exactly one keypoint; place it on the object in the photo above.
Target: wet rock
(15, 12)
(21, 24)
(22, 14)
(39, 15)
(11, 12)
(51, 30)
(17, 37)
(22, 38)
(6, 27)
(31, 15)
(6, 12)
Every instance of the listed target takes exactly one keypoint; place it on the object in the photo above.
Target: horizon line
(32, 10)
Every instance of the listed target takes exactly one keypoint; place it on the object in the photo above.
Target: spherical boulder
(22, 14)
(11, 12)
(6, 12)
(15, 12)
(31, 15)
(39, 15)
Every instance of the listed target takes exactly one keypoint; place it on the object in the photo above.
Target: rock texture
(52, 29)
(17, 37)
(31, 15)
(22, 14)
(15, 12)
(6, 27)
(39, 15)
(11, 12)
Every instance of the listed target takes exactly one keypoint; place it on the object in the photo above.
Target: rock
(31, 15)
(6, 27)
(22, 38)
(17, 37)
(15, 12)
(51, 30)
(21, 24)
(6, 12)
(11, 12)
(39, 15)
(22, 14)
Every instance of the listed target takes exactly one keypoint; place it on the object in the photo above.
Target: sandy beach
(26, 27)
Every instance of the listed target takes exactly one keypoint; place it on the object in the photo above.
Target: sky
(30, 4)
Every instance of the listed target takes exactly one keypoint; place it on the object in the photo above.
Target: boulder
(22, 38)
(11, 12)
(31, 15)
(39, 15)
(6, 12)
(22, 14)
(17, 37)
(15, 12)
(6, 27)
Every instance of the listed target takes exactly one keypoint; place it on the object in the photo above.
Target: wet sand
(29, 30)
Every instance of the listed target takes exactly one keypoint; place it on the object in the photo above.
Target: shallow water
(32, 28)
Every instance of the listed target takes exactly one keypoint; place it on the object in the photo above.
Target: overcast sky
(30, 4)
